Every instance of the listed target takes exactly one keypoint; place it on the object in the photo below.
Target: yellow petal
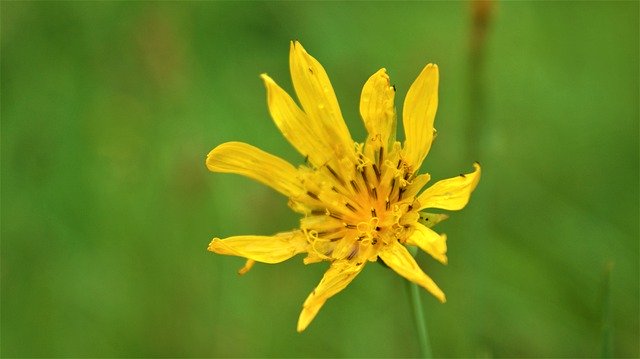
(429, 241)
(397, 257)
(452, 193)
(318, 99)
(246, 160)
(295, 125)
(415, 186)
(418, 114)
(337, 277)
(377, 109)
(431, 219)
(265, 249)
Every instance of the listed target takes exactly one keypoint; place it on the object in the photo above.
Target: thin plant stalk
(421, 325)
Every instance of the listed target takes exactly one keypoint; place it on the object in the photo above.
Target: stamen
(328, 231)
(335, 174)
(350, 226)
(363, 174)
(352, 208)
(333, 215)
(400, 193)
(374, 192)
(377, 171)
(380, 155)
(355, 186)
(373, 212)
(313, 195)
(318, 212)
(387, 204)
(353, 253)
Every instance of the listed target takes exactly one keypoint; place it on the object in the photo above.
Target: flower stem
(421, 326)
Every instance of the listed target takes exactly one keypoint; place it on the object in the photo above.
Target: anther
(318, 212)
(400, 193)
(363, 174)
(348, 205)
(353, 253)
(377, 171)
(329, 231)
(335, 216)
(355, 186)
(387, 204)
(312, 195)
(335, 174)
(350, 226)
(374, 192)
(373, 212)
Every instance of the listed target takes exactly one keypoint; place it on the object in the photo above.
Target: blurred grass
(108, 110)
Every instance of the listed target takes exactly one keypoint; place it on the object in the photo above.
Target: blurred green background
(109, 109)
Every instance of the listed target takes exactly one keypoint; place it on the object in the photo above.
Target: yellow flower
(359, 202)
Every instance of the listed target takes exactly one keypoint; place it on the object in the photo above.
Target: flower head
(359, 202)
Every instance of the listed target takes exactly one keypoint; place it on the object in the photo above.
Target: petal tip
(213, 245)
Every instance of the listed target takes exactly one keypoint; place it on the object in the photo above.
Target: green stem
(421, 326)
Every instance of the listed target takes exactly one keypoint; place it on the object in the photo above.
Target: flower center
(351, 211)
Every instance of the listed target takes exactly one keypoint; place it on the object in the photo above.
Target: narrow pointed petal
(418, 114)
(318, 99)
(265, 249)
(295, 125)
(377, 109)
(397, 257)
(431, 219)
(249, 161)
(429, 241)
(335, 279)
(452, 193)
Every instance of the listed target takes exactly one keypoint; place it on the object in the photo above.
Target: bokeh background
(109, 109)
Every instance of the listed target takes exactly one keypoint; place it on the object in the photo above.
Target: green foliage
(109, 109)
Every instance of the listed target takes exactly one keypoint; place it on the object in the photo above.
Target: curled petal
(247, 267)
(377, 109)
(418, 114)
(265, 249)
(318, 99)
(452, 193)
(249, 161)
(335, 279)
(429, 241)
(396, 256)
